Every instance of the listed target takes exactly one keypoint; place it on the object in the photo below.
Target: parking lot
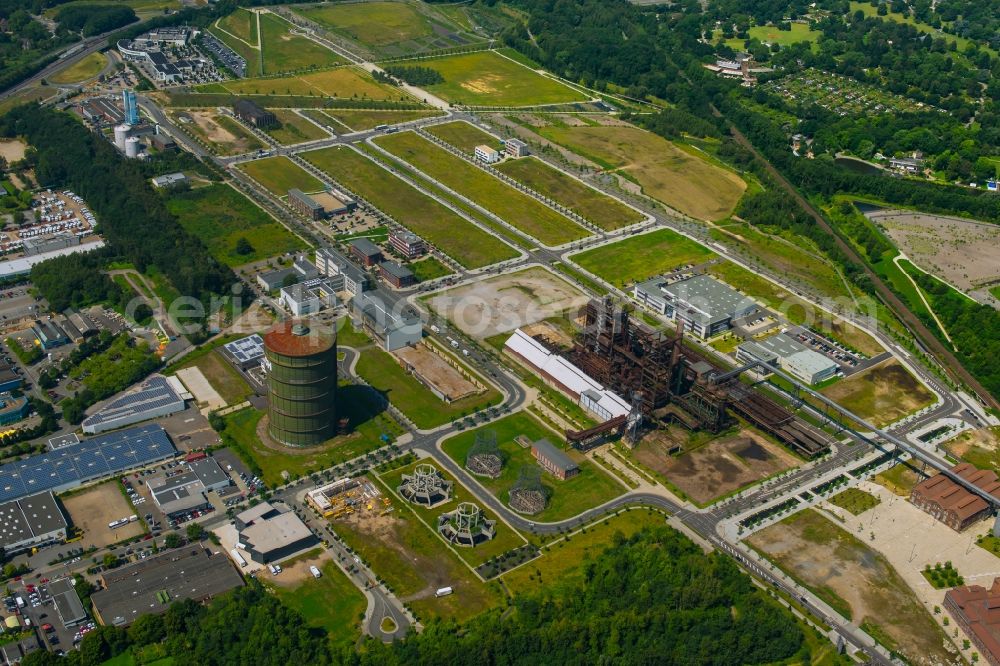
(37, 609)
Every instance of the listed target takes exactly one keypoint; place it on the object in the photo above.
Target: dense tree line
(122, 364)
(974, 328)
(651, 598)
(133, 219)
(92, 20)
(75, 281)
(415, 75)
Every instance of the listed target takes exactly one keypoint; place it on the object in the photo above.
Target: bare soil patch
(297, 572)
(882, 394)
(92, 510)
(506, 302)
(12, 150)
(437, 372)
(552, 334)
(845, 571)
(718, 467)
(965, 253)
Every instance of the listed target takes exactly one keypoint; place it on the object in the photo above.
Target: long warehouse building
(75, 464)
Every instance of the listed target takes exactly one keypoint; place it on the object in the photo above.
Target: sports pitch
(280, 174)
(454, 235)
(517, 209)
(486, 78)
(600, 209)
(642, 257)
(679, 179)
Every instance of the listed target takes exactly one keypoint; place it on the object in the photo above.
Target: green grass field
(294, 128)
(855, 500)
(429, 268)
(486, 78)
(590, 488)
(239, 32)
(351, 120)
(426, 410)
(279, 174)
(881, 394)
(86, 68)
(220, 216)
(356, 403)
(413, 561)
(689, 183)
(373, 24)
(642, 257)
(800, 32)
(588, 203)
(339, 82)
(463, 135)
(331, 603)
(517, 209)
(455, 236)
(285, 52)
(562, 563)
(505, 538)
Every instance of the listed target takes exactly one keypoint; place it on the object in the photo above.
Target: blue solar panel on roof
(98, 456)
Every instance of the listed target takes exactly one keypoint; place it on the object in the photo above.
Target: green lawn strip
(588, 203)
(220, 216)
(642, 257)
(406, 393)
(487, 78)
(283, 51)
(516, 208)
(585, 280)
(429, 268)
(855, 500)
(505, 539)
(464, 136)
(455, 236)
(990, 543)
(331, 603)
(562, 563)
(294, 128)
(419, 563)
(358, 120)
(279, 174)
(224, 32)
(326, 120)
(591, 487)
(355, 403)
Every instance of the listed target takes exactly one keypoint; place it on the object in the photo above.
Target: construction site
(668, 382)
(348, 496)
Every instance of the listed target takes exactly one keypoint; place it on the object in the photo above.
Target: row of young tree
(134, 220)
(651, 598)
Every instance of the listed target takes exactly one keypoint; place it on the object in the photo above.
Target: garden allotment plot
(454, 235)
(487, 78)
(517, 209)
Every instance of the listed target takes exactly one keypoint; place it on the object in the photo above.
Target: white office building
(703, 304)
(790, 355)
(487, 154)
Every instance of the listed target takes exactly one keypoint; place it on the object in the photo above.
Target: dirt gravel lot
(503, 303)
(966, 253)
(12, 150)
(92, 510)
(848, 574)
(718, 467)
(437, 372)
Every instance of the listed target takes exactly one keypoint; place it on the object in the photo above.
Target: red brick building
(950, 502)
(977, 611)
(554, 461)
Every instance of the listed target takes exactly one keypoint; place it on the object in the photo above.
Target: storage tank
(121, 134)
(132, 146)
(301, 382)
